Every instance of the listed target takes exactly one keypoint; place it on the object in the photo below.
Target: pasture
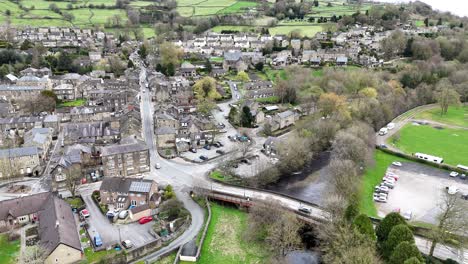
(189, 8)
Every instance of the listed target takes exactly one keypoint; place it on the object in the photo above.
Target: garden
(9, 249)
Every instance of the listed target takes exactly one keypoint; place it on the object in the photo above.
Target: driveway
(138, 234)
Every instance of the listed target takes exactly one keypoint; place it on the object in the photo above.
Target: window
(134, 203)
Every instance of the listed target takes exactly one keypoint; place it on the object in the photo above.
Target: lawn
(9, 250)
(272, 75)
(224, 242)
(95, 257)
(371, 178)
(75, 202)
(457, 116)
(450, 144)
(77, 102)
(238, 7)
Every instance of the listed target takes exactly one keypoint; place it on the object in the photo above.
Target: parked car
(389, 179)
(392, 175)
(397, 163)
(408, 215)
(452, 189)
(453, 174)
(381, 195)
(304, 210)
(123, 214)
(232, 138)
(203, 157)
(388, 184)
(193, 150)
(464, 196)
(463, 176)
(127, 244)
(383, 146)
(221, 125)
(216, 145)
(84, 214)
(145, 219)
(97, 240)
(157, 166)
(390, 126)
(221, 152)
(382, 189)
(380, 199)
(207, 147)
(219, 143)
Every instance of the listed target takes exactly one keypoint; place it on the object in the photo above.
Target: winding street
(183, 176)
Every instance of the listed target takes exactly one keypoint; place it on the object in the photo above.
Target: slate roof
(6, 87)
(57, 225)
(232, 55)
(124, 148)
(189, 249)
(286, 114)
(165, 131)
(22, 206)
(19, 152)
(124, 185)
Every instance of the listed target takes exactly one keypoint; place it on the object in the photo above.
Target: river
(308, 185)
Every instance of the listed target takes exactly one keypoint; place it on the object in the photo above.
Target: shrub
(399, 233)
(386, 225)
(363, 225)
(405, 251)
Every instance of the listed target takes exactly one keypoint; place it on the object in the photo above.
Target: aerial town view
(233, 131)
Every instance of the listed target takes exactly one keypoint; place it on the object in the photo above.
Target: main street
(183, 176)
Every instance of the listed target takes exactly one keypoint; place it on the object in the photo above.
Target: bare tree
(283, 234)
(445, 96)
(72, 182)
(452, 222)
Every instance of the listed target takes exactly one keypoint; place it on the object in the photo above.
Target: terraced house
(129, 158)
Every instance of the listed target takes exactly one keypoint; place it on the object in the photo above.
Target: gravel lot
(420, 189)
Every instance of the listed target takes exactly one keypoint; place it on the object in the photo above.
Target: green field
(450, 144)
(372, 177)
(218, 29)
(8, 250)
(457, 116)
(190, 8)
(224, 242)
(305, 31)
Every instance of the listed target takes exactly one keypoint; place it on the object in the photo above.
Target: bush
(363, 225)
(405, 251)
(168, 193)
(172, 209)
(413, 260)
(399, 233)
(386, 225)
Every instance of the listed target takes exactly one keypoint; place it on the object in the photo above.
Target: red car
(145, 219)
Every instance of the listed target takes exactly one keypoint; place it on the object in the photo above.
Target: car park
(453, 174)
(127, 244)
(203, 157)
(145, 219)
(397, 163)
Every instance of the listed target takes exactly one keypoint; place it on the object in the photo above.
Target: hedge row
(426, 162)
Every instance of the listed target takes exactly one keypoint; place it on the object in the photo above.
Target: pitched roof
(22, 206)
(232, 55)
(165, 131)
(125, 185)
(124, 148)
(57, 225)
(19, 152)
(285, 114)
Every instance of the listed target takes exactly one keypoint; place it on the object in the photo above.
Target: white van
(390, 126)
(383, 131)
